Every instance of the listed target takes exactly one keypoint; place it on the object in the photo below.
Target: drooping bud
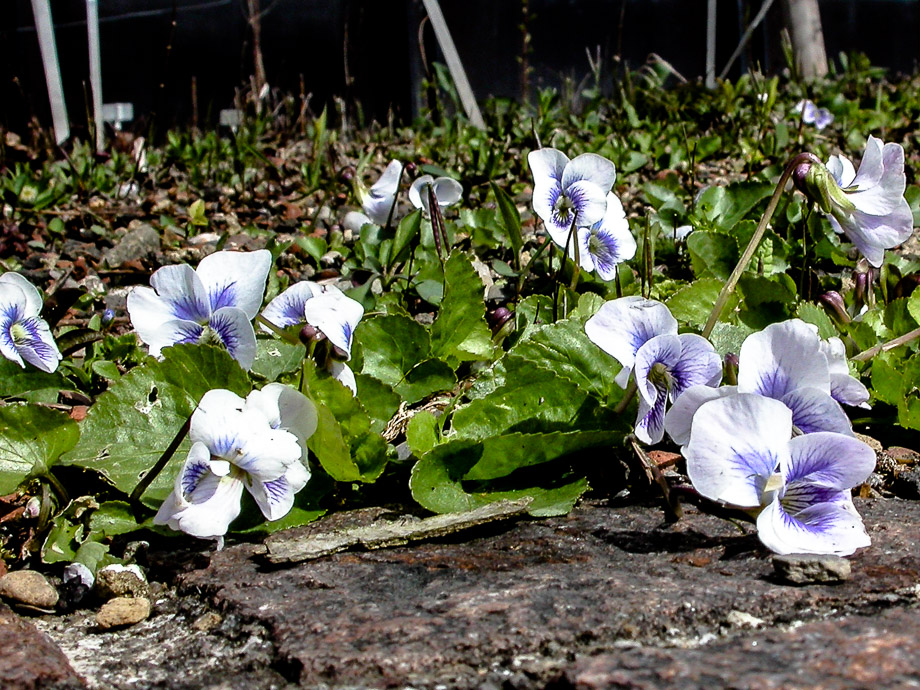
(347, 174)
(730, 369)
(108, 316)
(814, 180)
(411, 168)
(498, 318)
(833, 304)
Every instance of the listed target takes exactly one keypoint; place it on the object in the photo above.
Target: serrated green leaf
(32, 438)
(811, 313)
(276, 357)
(712, 254)
(15, 381)
(460, 332)
(898, 318)
(344, 443)
(134, 421)
(727, 337)
(888, 383)
(379, 400)
(437, 479)
(426, 378)
(693, 303)
(422, 433)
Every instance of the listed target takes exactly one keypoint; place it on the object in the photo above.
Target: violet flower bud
(833, 304)
(308, 334)
(498, 318)
(730, 369)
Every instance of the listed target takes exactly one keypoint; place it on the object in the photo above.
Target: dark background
(313, 40)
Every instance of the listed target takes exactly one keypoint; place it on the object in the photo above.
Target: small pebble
(207, 621)
(30, 588)
(805, 569)
(117, 580)
(123, 611)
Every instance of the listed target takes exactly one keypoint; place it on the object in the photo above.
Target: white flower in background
(742, 453)
(213, 304)
(813, 115)
(446, 190)
(377, 201)
(606, 243)
(327, 309)
(257, 443)
(569, 190)
(24, 335)
(868, 206)
(642, 335)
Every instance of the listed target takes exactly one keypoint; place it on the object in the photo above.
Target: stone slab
(30, 660)
(564, 601)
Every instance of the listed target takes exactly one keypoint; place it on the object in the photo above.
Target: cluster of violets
(777, 443)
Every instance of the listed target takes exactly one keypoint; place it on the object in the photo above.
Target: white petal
(849, 391)
(699, 364)
(842, 170)
(871, 167)
(781, 358)
(418, 192)
(650, 419)
(287, 309)
(218, 421)
(265, 456)
(885, 195)
(679, 419)
(336, 315)
(829, 461)
(545, 195)
(589, 200)
(662, 349)
(379, 202)
(236, 279)
(182, 292)
(736, 444)
(873, 234)
(814, 410)
(824, 528)
(354, 221)
(285, 408)
(276, 498)
(342, 373)
(547, 166)
(592, 168)
(235, 331)
(171, 333)
(621, 326)
(447, 191)
(31, 297)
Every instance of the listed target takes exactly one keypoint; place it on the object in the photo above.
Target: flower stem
(565, 254)
(628, 395)
(866, 355)
(148, 478)
(748, 254)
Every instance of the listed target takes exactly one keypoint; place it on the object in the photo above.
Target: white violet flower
(446, 190)
(24, 335)
(214, 303)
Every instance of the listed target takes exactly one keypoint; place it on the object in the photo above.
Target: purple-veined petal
(202, 503)
(336, 315)
(235, 331)
(872, 235)
(849, 391)
(150, 314)
(236, 279)
(545, 197)
(842, 170)
(547, 166)
(664, 350)
(621, 326)
(609, 242)
(679, 418)
(736, 444)
(828, 460)
(38, 347)
(218, 421)
(172, 333)
(182, 293)
(379, 201)
(650, 419)
(822, 528)
(285, 408)
(823, 117)
(814, 410)
(287, 309)
(699, 364)
(592, 168)
(31, 297)
(589, 201)
(275, 498)
(780, 358)
(342, 373)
